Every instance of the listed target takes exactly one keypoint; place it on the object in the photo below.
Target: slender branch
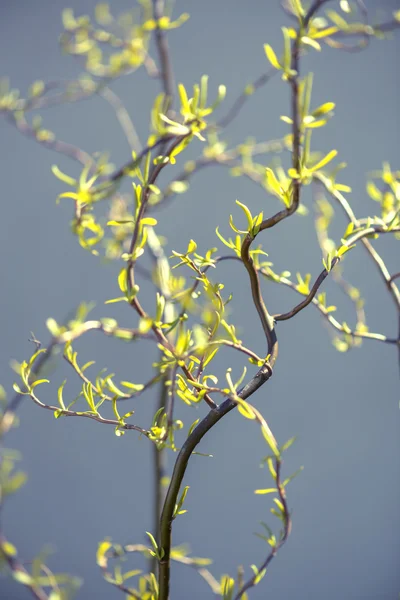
(244, 96)
(87, 415)
(326, 314)
(104, 396)
(383, 271)
(128, 166)
(18, 568)
(236, 346)
(270, 275)
(266, 320)
(114, 330)
(321, 227)
(299, 307)
(160, 474)
(163, 52)
(123, 117)
(285, 534)
(8, 418)
(53, 144)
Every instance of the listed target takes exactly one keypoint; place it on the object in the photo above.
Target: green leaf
(17, 389)
(323, 109)
(113, 300)
(120, 223)
(178, 187)
(272, 57)
(291, 477)
(269, 438)
(324, 161)
(349, 230)
(247, 213)
(150, 221)
(102, 550)
(266, 491)
(287, 444)
(38, 382)
(245, 409)
(8, 549)
(63, 177)
(287, 50)
(123, 279)
(23, 578)
(136, 387)
(271, 467)
(60, 395)
(298, 9)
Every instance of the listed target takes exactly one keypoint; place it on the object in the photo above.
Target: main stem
(180, 469)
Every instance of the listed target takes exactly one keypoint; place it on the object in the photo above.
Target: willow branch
(123, 117)
(244, 96)
(18, 569)
(285, 534)
(87, 415)
(163, 52)
(299, 307)
(52, 144)
(326, 314)
(383, 271)
(181, 463)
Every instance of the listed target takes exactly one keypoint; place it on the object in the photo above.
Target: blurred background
(84, 482)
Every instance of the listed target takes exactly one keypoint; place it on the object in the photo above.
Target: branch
(309, 298)
(180, 468)
(287, 526)
(389, 283)
(87, 415)
(57, 145)
(163, 52)
(19, 572)
(244, 96)
(8, 418)
(325, 313)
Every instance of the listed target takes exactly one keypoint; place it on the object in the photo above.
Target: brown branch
(8, 417)
(285, 534)
(325, 313)
(95, 417)
(393, 277)
(163, 52)
(244, 96)
(18, 569)
(299, 307)
(181, 463)
(52, 144)
(344, 204)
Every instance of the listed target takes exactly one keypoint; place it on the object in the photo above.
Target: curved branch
(299, 307)
(163, 52)
(244, 96)
(18, 568)
(285, 534)
(181, 464)
(383, 271)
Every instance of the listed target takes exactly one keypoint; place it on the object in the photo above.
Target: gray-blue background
(85, 483)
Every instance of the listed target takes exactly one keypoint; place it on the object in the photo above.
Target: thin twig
(299, 307)
(18, 569)
(244, 96)
(285, 534)
(167, 75)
